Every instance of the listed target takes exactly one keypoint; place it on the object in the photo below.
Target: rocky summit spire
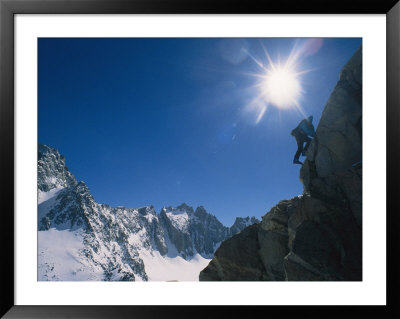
(52, 171)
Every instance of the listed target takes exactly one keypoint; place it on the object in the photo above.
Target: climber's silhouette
(302, 133)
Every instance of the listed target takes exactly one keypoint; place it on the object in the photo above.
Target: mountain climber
(302, 133)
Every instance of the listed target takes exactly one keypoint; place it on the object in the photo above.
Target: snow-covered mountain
(80, 239)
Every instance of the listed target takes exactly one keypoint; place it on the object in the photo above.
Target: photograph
(197, 159)
(200, 159)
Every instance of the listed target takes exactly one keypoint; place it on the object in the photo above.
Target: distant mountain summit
(241, 223)
(53, 174)
(80, 239)
(52, 171)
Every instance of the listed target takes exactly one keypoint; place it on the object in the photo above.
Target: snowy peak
(181, 209)
(147, 210)
(52, 171)
(241, 223)
(186, 208)
(179, 216)
(201, 212)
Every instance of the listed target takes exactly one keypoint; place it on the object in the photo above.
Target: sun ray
(260, 64)
(268, 57)
(304, 71)
(300, 109)
(261, 114)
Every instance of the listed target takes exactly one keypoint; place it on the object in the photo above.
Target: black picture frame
(8, 8)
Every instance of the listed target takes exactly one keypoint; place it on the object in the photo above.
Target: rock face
(317, 235)
(237, 259)
(100, 242)
(332, 171)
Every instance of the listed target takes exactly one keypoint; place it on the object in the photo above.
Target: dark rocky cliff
(317, 235)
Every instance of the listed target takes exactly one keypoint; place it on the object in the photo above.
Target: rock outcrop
(317, 235)
(237, 259)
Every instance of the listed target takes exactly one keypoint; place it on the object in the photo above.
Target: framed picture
(190, 105)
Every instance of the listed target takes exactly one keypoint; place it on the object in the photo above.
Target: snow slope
(44, 196)
(164, 268)
(60, 257)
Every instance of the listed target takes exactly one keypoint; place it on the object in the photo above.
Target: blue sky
(166, 121)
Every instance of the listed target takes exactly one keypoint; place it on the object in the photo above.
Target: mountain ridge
(114, 241)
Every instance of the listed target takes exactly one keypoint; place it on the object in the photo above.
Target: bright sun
(281, 86)
(279, 83)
